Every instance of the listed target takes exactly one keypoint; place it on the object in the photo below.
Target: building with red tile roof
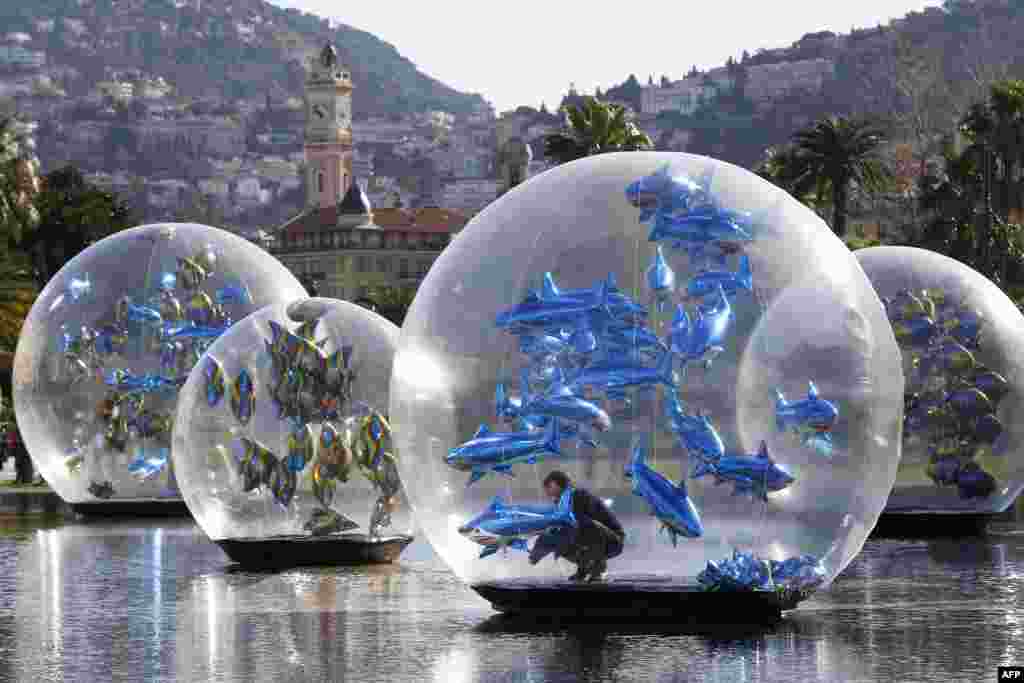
(343, 246)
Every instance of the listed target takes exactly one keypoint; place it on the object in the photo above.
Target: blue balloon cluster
(588, 348)
(744, 572)
(951, 400)
(176, 326)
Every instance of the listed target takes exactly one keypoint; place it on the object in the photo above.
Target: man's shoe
(580, 574)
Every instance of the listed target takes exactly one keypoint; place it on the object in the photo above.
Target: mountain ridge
(233, 49)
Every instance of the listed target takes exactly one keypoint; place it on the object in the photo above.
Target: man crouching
(597, 537)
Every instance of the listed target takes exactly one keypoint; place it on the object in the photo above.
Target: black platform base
(282, 552)
(146, 507)
(926, 524)
(636, 598)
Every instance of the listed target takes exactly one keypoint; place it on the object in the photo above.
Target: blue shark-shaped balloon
(560, 309)
(669, 502)
(495, 452)
(662, 192)
(705, 224)
(562, 403)
(741, 572)
(620, 306)
(622, 373)
(745, 572)
(661, 279)
(543, 345)
(755, 475)
(695, 432)
(709, 281)
(812, 418)
(632, 337)
(509, 407)
(701, 341)
(506, 406)
(705, 255)
(503, 525)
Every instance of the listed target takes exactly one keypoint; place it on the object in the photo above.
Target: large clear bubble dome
(963, 425)
(111, 339)
(689, 344)
(282, 428)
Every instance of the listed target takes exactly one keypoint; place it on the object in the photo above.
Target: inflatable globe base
(925, 499)
(285, 552)
(644, 597)
(931, 524)
(132, 507)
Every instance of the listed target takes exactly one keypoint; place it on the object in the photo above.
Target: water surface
(158, 602)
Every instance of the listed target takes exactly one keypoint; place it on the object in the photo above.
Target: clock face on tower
(319, 112)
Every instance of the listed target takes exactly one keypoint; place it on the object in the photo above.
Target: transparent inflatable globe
(963, 424)
(110, 341)
(688, 343)
(282, 428)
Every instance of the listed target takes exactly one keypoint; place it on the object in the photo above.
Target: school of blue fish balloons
(309, 389)
(951, 399)
(588, 349)
(176, 327)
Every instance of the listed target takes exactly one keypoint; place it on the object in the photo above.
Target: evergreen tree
(73, 214)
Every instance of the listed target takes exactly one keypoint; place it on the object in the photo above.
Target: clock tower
(328, 138)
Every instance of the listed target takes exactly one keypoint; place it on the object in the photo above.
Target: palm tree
(781, 166)
(974, 198)
(844, 153)
(594, 128)
(994, 131)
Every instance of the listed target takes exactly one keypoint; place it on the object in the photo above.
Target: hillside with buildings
(196, 108)
(737, 110)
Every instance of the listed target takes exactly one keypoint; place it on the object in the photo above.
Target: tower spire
(328, 139)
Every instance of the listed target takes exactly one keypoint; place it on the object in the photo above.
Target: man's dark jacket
(585, 505)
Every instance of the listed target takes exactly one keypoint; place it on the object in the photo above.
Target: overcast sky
(528, 51)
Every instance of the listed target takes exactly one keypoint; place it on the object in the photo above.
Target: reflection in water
(93, 601)
(106, 602)
(797, 649)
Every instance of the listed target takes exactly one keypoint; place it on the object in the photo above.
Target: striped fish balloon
(215, 388)
(243, 397)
